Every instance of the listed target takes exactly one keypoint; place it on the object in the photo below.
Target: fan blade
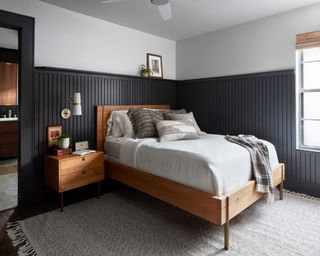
(111, 1)
(165, 11)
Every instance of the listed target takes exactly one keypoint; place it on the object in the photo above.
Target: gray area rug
(130, 223)
(8, 191)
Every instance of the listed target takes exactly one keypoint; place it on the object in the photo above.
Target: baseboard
(305, 188)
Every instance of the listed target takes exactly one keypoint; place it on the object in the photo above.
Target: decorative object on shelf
(76, 104)
(64, 141)
(144, 71)
(154, 63)
(65, 113)
(81, 145)
(62, 152)
(54, 132)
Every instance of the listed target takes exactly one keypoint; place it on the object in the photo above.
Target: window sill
(308, 150)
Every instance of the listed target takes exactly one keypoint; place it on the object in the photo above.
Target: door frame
(27, 186)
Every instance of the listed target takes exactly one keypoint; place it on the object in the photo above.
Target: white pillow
(121, 126)
(110, 121)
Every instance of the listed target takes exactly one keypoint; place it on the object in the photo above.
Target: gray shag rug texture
(131, 223)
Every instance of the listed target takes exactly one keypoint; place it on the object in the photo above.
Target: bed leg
(226, 226)
(281, 184)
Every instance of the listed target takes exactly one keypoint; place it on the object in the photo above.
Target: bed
(213, 196)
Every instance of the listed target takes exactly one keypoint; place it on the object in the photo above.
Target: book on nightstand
(83, 152)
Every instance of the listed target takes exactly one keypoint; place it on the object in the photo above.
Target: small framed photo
(154, 62)
(54, 132)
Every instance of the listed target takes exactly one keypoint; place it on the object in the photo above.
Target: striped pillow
(176, 130)
(143, 122)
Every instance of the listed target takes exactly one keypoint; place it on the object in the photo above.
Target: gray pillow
(177, 111)
(189, 116)
(171, 130)
(143, 122)
(130, 115)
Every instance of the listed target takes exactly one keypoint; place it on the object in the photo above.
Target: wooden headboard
(103, 114)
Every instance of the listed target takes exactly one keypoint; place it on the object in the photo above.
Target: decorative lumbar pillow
(110, 123)
(122, 126)
(171, 130)
(189, 116)
(143, 122)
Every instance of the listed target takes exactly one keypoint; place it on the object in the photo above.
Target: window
(308, 91)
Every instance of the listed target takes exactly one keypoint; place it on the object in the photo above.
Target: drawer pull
(84, 172)
(83, 158)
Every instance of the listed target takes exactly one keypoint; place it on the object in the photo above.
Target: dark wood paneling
(261, 104)
(53, 87)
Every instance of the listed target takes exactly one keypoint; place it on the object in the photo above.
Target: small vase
(64, 143)
(144, 74)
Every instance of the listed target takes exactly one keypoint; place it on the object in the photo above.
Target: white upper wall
(68, 39)
(9, 38)
(263, 45)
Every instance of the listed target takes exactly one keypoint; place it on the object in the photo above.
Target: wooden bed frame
(215, 209)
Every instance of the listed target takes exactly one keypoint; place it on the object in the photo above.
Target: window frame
(300, 92)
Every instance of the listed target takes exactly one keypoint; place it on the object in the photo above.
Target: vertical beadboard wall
(53, 87)
(261, 104)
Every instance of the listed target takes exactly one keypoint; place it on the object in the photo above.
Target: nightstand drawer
(78, 179)
(81, 163)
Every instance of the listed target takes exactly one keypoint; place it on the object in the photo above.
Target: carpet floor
(131, 223)
(8, 190)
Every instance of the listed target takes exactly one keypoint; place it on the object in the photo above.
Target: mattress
(112, 146)
(210, 164)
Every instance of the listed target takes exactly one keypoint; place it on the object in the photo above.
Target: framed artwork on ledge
(154, 62)
(54, 132)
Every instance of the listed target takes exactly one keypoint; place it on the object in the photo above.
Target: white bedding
(210, 163)
(112, 146)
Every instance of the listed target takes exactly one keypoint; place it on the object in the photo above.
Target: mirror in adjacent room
(9, 108)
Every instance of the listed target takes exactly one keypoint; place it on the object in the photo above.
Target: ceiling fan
(164, 7)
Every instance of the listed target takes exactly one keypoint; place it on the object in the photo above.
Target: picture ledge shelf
(67, 70)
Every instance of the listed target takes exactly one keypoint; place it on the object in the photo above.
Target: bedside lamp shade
(76, 107)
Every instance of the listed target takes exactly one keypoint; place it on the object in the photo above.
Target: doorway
(9, 109)
(24, 25)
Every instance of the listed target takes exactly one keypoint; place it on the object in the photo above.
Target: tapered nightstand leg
(61, 202)
(98, 190)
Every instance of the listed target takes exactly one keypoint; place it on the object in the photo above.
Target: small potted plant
(64, 141)
(144, 71)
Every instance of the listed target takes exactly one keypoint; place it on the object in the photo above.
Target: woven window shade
(308, 40)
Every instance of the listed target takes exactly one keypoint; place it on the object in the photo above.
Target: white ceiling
(190, 17)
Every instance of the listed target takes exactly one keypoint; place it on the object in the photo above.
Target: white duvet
(210, 164)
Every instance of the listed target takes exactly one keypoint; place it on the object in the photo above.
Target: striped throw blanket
(260, 162)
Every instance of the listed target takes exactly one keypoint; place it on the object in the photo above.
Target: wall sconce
(76, 104)
(76, 107)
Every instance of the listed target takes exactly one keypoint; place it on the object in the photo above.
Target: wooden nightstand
(63, 173)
